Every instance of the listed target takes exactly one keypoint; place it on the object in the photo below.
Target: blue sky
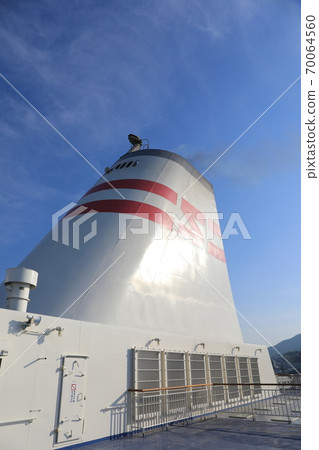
(190, 75)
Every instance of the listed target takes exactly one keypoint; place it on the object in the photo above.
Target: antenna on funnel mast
(136, 143)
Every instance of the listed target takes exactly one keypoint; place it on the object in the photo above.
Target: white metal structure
(18, 282)
(145, 277)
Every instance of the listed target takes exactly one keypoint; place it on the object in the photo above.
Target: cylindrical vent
(18, 282)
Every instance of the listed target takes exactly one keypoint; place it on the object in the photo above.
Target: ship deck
(218, 433)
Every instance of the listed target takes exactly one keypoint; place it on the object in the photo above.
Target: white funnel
(18, 282)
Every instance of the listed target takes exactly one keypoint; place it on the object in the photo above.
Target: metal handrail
(154, 407)
(213, 384)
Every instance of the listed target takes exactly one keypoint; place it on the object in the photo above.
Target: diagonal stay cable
(64, 312)
(60, 134)
(238, 312)
(241, 135)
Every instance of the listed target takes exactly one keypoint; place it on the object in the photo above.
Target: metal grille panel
(198, 376)
(255, 374)
(148, 369)
(175, 376)
(216, 376)
(175, 369)
(231, 374)
(244, 375)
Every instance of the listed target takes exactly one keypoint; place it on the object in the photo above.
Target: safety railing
(150, 408)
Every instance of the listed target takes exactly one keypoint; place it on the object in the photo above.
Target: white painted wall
(29, 383)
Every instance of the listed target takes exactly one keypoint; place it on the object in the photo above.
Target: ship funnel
(18, 283)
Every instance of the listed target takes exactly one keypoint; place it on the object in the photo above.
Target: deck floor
(217, 433)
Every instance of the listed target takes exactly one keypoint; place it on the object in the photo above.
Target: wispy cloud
(249, 163)
(93, 74)
(94, 68)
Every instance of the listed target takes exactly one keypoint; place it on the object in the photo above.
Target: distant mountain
(289, 345)
(290, 349)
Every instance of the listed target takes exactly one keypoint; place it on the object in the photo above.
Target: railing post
(130, 406)
(166, 404)
(143, 415)
(286, 404)
(252, 395)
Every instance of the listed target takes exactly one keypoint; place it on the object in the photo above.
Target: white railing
(151, 408)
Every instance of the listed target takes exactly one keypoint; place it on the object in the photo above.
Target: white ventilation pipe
(18, 282)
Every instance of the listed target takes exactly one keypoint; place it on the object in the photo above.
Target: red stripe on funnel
(141, 185)
(150, 213)
(129, 207)
(198, 216)
(216, 251)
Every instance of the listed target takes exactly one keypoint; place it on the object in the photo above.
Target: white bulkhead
(130, 266)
